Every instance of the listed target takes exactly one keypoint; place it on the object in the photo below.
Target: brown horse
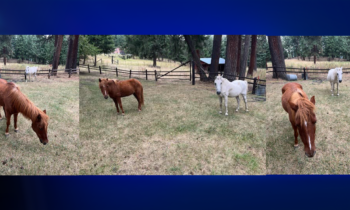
(116, 89)
(2, 81)
(302, 115)
(14, 102)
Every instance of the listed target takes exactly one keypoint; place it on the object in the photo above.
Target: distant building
(207, 61)
(119, 51)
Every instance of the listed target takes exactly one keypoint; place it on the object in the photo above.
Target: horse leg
(8, 117)
(226, 99)
(120, 104)
(15, 122)
(138, 98)
(337, 88)
(295, 136)
(0, 114)
(332, 88)
(237, 97)
(220, 98)
(116, 105)
(245, 102)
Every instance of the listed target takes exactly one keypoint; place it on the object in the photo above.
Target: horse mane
(305, 108)
(23, 105)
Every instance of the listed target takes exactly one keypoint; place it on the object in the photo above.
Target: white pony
(225, 89)
(31, 70)
(335, 76)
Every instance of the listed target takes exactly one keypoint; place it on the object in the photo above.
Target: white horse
(225, 89)
(31, 70)
(335, 76)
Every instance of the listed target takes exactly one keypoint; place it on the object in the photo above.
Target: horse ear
(39, 118)
(44, 111)
(293, 106)
(99, 79)
(313, 100)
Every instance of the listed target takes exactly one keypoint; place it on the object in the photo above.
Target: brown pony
(14, 102)
(2, 81)
(116, 89)
(302, 116)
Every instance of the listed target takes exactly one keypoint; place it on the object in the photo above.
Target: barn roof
(208, 60)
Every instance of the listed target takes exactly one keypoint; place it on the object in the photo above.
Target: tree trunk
(4, 60)
(215, 57)
(154, 59)
(315, 54)
(57, 52)
(84, 60)
(244, 58)
(276, 50)
(75, 51)
(195, 57)
(239, 55)
(252, 56)
(69, 53)
(231, 57)
(95, 60)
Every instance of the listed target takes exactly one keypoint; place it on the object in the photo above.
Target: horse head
(39, 125)
(340, 74)
(217, 83)
(102, 85)
(305, 120)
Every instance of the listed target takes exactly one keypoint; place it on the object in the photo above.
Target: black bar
(116, 71)
(130, 74)
(100, 69)
(155, 75)
(193, 74)
(146, 75)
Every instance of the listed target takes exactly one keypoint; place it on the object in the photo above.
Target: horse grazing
(2, 81)
(335, 76)
(302, 115)
(31, 70)
(225, 89)
(116, 89)
(14, 102)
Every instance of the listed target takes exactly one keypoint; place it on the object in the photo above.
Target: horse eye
(41, 128)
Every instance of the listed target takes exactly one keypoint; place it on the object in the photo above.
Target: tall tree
(231, 57)
(85, 48)
(252, 61)
(5, 46)
(277, 57)
(71, 61)
(57, 51)
(196, 59)
(104, 43)
(244, 57)
(239, 54)
(215, 57)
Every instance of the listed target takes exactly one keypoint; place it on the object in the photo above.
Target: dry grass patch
(179, 131)
(23, 154)
(332, 131)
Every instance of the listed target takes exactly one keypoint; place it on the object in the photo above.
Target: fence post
(116, 71)
(100, 69)
(112, 59)
(130, 74)
(304, 74)
(254, 85)
(48, 76)
(155, 75)
(70, 72)
(193, 74)
(190, 71)
(146, 75)
(89, 68)
(25, 76)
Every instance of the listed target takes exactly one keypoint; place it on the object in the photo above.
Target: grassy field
(179, 131)
(332, 131)
(22, 154)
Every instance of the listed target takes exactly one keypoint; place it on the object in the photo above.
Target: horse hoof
(226, 114)
(247, 110)
(16, 130)
(296, 146)
(220, 112)
(337, 94)
(236, 110)
(7, 134)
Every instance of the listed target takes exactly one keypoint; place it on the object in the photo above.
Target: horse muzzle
(340, 81)
(218, 93)
(310, 155)
(43, 142)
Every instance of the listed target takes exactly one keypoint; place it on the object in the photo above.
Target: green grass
(179, 131)
(22, 151)
(332, 133)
